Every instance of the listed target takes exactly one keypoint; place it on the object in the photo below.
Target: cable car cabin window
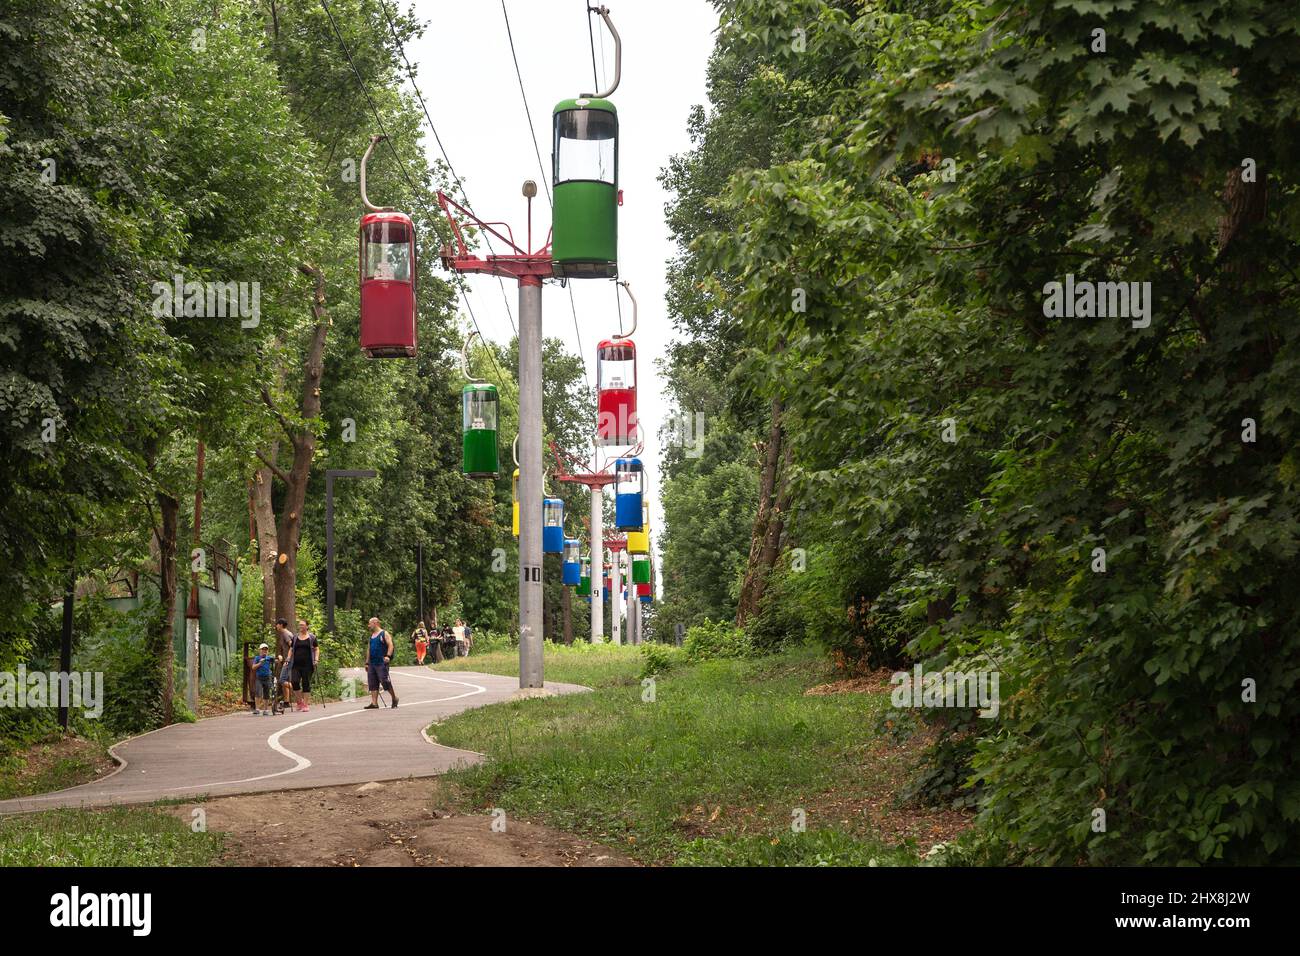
(585, 146)
(480, 411)
(388, 251)
(627, 477)
(617, 367)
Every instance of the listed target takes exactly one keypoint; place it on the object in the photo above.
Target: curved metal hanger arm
(364, 159)
(618, 53)
(464, 365)
(627, 287)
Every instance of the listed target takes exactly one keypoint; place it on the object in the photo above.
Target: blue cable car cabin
(629, 485)
(572, 562)
(552, 526)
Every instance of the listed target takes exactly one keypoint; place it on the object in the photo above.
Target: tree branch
(279, 473)
(284, 422)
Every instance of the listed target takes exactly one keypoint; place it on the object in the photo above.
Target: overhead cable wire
(591, 38)
(410, 73)
(541, 167)
(401, 165)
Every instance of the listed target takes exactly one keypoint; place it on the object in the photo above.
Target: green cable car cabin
(479, 405)
(584, 220)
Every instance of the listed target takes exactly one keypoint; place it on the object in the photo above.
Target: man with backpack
(379, 657)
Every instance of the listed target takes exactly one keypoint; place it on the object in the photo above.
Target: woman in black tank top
(305, 655)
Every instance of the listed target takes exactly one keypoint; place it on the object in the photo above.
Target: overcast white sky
(466, 74)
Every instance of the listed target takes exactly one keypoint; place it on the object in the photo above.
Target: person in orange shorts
(421, 636)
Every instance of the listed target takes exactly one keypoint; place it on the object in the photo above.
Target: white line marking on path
(301, 762)
(36, 802)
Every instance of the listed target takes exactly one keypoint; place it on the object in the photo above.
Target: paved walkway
(338, 744)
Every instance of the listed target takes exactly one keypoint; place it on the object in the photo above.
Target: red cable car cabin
(387, 285)
(616, 392)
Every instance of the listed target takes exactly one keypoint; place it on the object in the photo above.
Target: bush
(830, 593)
(486, 641)
(716, 639)
(945, 771)
(132, 676)
(659, 658)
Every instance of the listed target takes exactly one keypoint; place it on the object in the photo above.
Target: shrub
(486, 641)
(132, 677)
(659, 658)
(715, 639)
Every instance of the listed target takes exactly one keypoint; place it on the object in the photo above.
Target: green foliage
(924, 283)
(485, 642)
(659, 658)
(251, 628)
(132, 682)
(708, 508)
(718, 639)
(944, 778)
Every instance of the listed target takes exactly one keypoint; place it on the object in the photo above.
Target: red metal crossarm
(517, 264)
(569, 468)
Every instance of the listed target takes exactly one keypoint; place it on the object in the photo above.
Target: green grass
(117, 837)
(66, 771)
(711, 772)
(592, 665)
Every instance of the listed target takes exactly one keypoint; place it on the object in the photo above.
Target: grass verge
(121, 836)
(52, 764)
(710, 765)
(592, 665)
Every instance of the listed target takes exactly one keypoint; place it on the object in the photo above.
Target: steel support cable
(400, 164)
(410, 73)
(541, 167)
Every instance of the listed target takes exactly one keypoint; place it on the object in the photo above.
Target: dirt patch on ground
(398, 823)
(874, 683)
(887, 767)
(869, 806)
(217, 701)
(876, 804)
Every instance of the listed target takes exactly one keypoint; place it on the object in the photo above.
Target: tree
(989, 446)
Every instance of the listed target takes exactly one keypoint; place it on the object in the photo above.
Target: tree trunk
(264, 517)
(775, 529)
(164, 650)
(288, 529)
(750, 589)
(1247, 204)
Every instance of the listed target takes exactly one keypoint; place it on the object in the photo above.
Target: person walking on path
(306, 654)
(264, 693)
(283, 646)
(462, 638)
(381, 654)
(421, 642)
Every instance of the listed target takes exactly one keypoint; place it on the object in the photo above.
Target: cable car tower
(570, 468)
(582, 243)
